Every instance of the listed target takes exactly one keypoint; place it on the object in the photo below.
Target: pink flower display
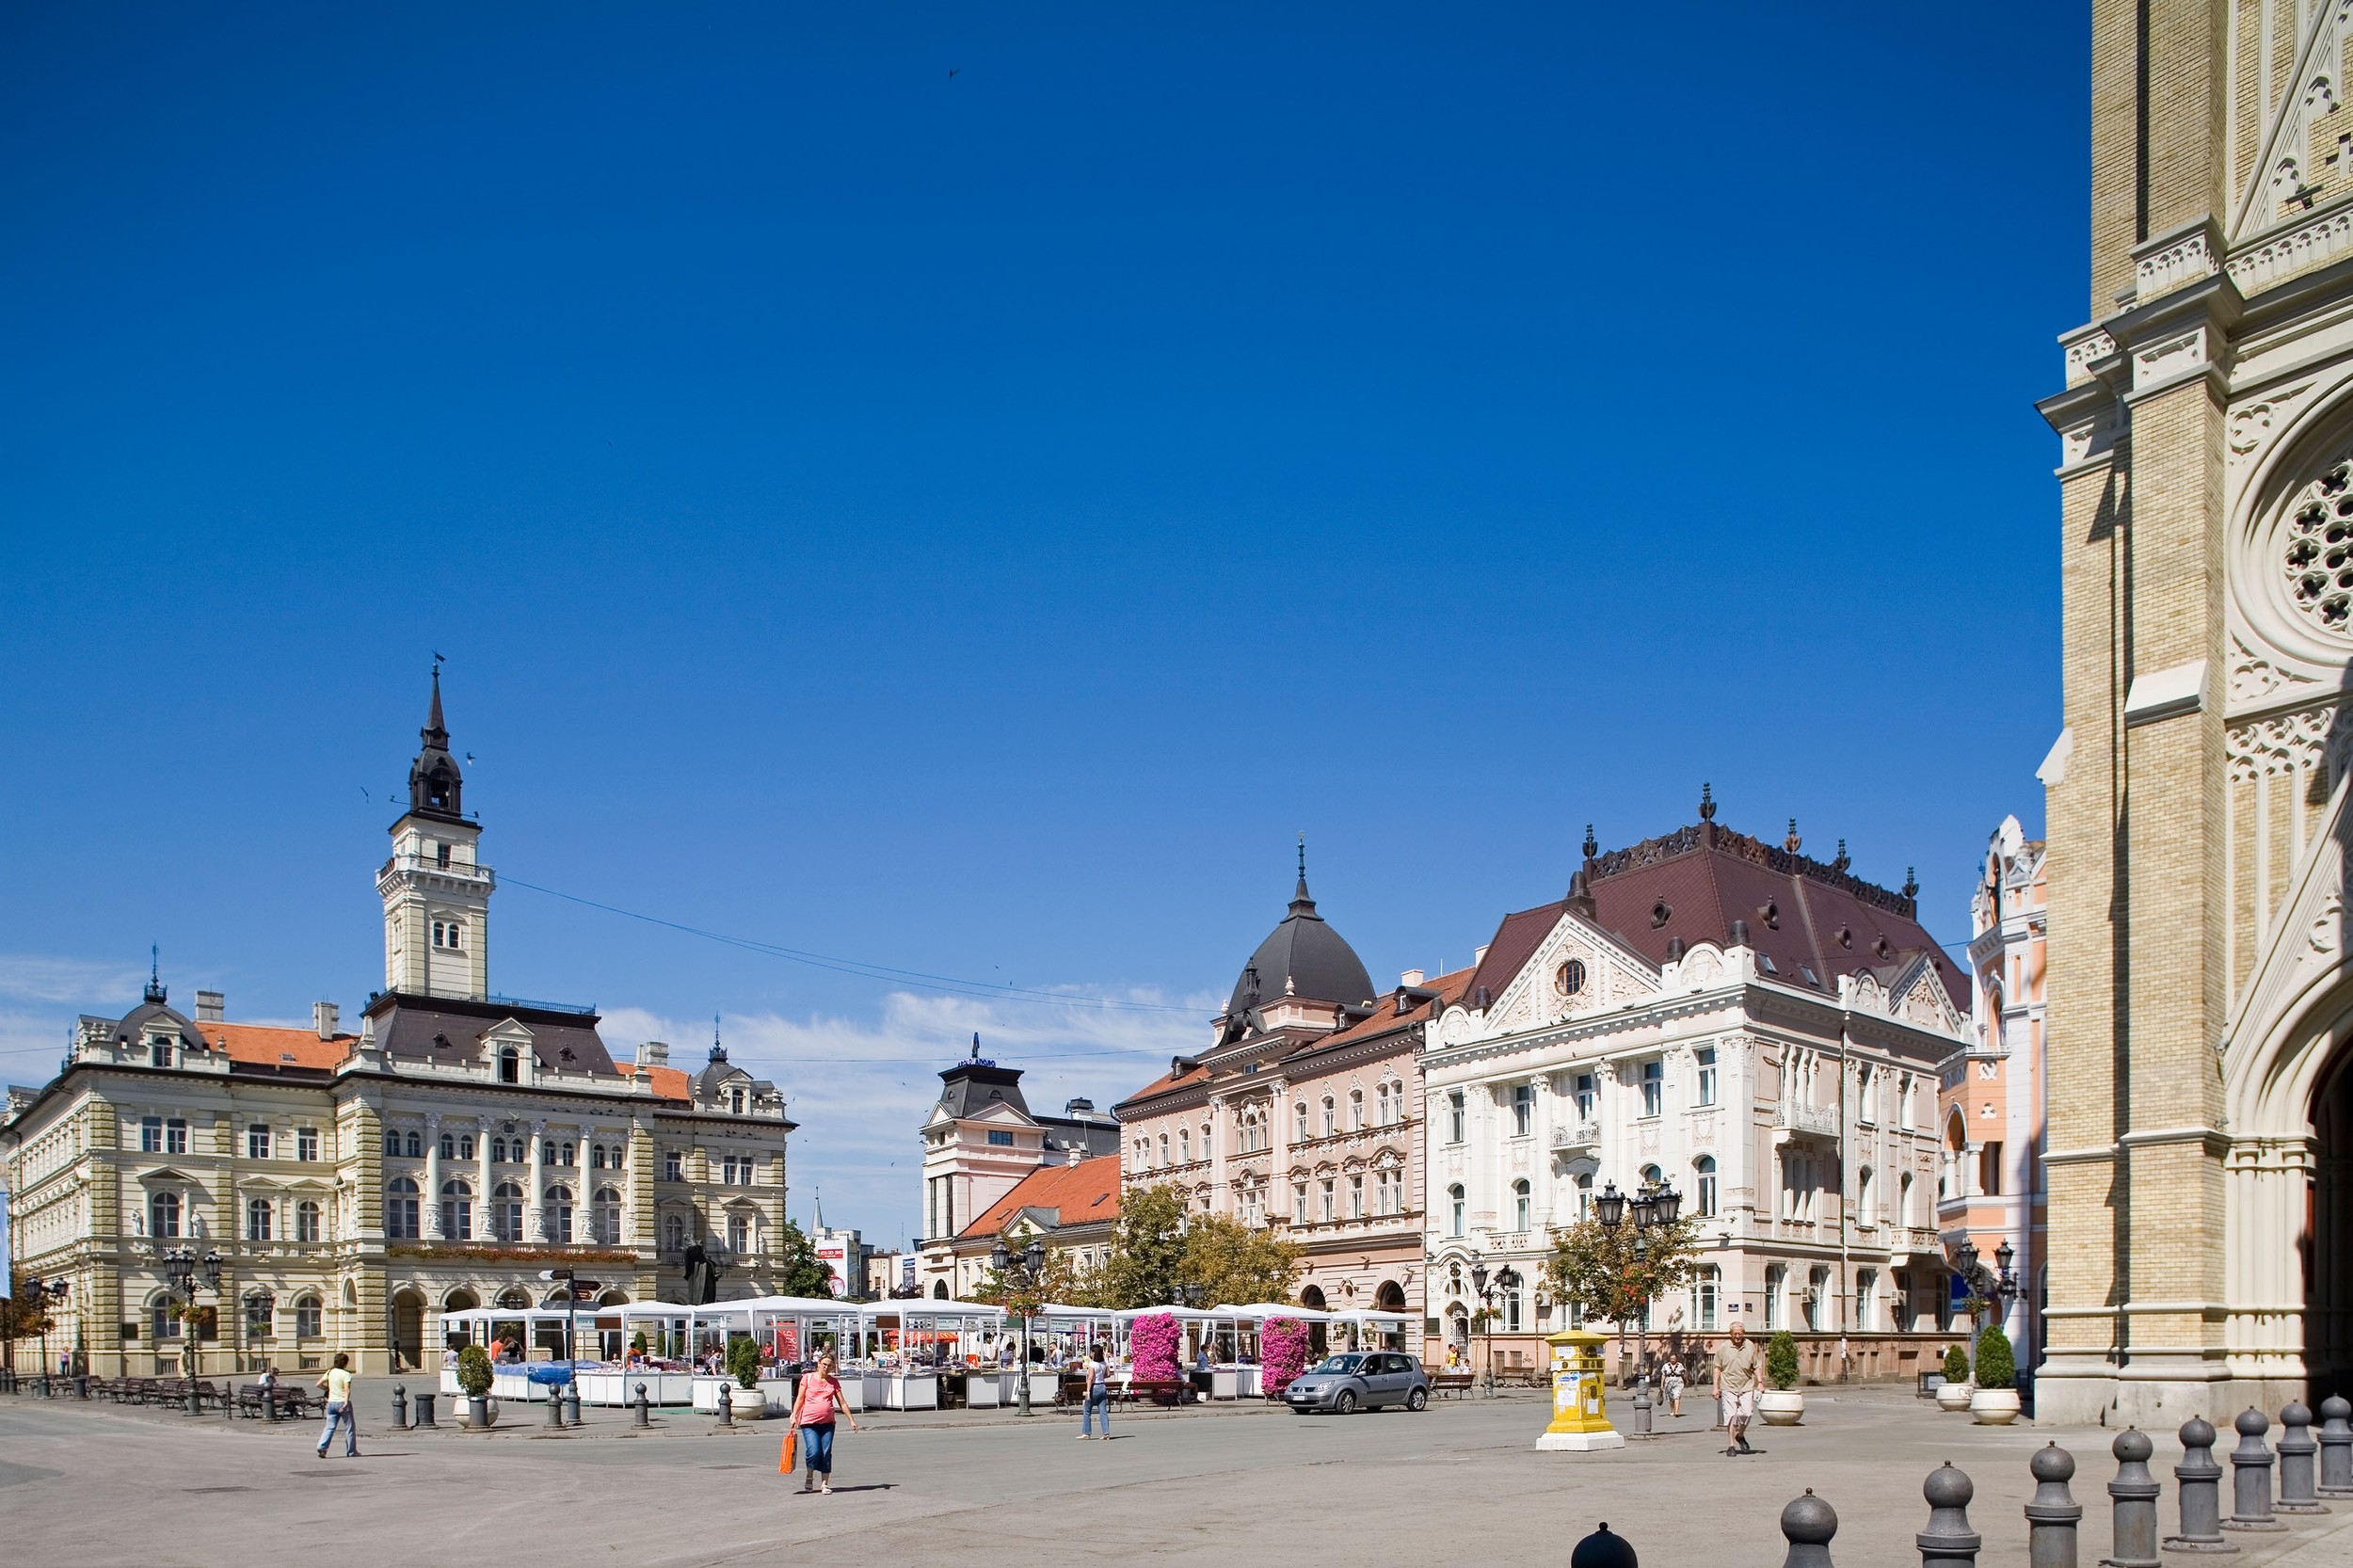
(1283, 1346)
(1152, 1342)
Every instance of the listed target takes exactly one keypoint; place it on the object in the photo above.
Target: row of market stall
(892, 1354)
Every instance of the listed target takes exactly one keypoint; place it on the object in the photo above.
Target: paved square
(102, 1485)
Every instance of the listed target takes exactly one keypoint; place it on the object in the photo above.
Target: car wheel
(1346, 1403)
(1417, 1400)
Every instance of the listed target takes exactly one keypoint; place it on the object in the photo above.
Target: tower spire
(1301, 893)
(154, 973)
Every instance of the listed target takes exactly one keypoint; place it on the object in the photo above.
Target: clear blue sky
(960, 488)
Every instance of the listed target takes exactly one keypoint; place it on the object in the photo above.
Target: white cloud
(38, 977)
(860, 1089)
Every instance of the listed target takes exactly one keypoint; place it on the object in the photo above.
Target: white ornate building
(1761, 1030)
(444, 1154)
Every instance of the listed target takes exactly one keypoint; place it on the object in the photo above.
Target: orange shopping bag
(790, 1454)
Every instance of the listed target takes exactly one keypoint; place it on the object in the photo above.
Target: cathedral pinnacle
(1708, 804)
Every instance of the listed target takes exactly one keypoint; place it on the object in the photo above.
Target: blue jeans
(817, 1448)
(1100, 1400)
(339, 1414)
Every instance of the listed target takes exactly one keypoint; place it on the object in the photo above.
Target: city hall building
(351, 1182)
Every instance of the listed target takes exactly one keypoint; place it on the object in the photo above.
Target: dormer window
(735, 1100)
(510, 1065)
(159, 1050)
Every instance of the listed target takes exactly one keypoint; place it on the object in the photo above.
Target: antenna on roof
(1708, 804)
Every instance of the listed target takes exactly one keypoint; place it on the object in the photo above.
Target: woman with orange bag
(810, 1430)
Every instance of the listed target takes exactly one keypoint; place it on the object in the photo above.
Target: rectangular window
(1903, 1103)
(1587, 1097)
(1706, 1057)
(1653, 1088)
(1989, 1169)
(1299, 1203)
(1709, 1291)
(1522, 1109)
(159, 1051)
(306, 1318)
(1454, 1117)
(175, 1136)
(999, 1140)
(1330, 1202)
(257, 1142)
(306, 1143)
(1356, 1197)
(151, 1135)
(673, 1165)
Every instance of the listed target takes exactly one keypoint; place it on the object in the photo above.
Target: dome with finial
(435, 787)
(1301, 957)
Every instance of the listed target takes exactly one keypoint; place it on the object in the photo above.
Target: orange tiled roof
(266, 1047)
(1385, 1015)
(669, 1084)
(1085, 1191)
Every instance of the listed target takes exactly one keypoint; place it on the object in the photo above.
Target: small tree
(1598, 1268)
(1997, 1366)
(474, 1370)
(1781, 1360)
(24, 1314)
(1233, 1262)
(799, 1271)
(1148, 1250)
(1955, 1364)
(743, 1360)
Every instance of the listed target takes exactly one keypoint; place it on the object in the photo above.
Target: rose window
(2319, 556)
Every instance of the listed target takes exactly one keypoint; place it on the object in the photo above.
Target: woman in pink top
(813, 1412)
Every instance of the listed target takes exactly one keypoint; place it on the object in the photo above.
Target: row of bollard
(2308, 1468)
(402, 1418)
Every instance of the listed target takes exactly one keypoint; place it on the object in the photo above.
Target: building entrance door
(2329, 1237)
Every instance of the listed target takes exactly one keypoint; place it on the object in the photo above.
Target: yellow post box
(1580, 1421)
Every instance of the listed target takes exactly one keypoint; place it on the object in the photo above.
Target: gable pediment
(1606, 975)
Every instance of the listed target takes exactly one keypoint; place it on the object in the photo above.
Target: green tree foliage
(1781, 1360)
(1997, 1364)
(474, 1370)
(1234, 1263)
(1148, 1250)
(1599, 1268)
(743, 1360)
(1955, 1364)
(25, 1315)
(800, 1271)
(1063, 1281)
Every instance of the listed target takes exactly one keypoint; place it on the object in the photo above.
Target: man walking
(1737, 1365)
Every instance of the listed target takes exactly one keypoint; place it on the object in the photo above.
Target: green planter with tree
(1782, 1404)
(1995, 1403)
(474, 1380)
(1955, 1394)
(744, 1367)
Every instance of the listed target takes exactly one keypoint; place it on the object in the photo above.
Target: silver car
(1359, 1379)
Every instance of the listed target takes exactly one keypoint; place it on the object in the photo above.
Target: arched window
(163, 1321)
(1704, 1172)
(1520, 1215)
(260, 1313)
(735, 1097)
(506, 1211)
(674, 1234)
(608, 1215)
(1454, 1209)
(1653, 1176)
(465, 1145)
(498, 1151)
(515, 1299)
(449, 1145)
(595, 1157)
(1863, 1197)
(559, 1214)
(1585, 1196)
(163, 1214)
(307, 1219)
(566, 1158)
(307, 1316)
(1903, 1200)
(510, 1065)
(456, 1211)
(1356, 1111)
(416, 1146)
(1184, 1145)
(1163, 1150)
(391, 1145)
(259, 1212)
(400, 1209)
(740, 1233)
(1299, 1122)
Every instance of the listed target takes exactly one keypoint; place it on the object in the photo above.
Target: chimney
(653, 1053)
(1739, 933)
(1080, 1110)
(324, 1018)
(1412, 976)
(208, 1007)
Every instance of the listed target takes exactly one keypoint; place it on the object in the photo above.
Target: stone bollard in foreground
(2336, 1447)
(726, 1407)
(638, 1406)
(400, 1407)
(2201, 1494)
(2134, 1495)
(555, 1408)
(1949, 1542)
(571, 1404)
(2299, 1466)
(425, 1411)
(1807, 1524)
(1602, 1549)
(2250, 1475)
(1638, 1413)
(2052, 1514)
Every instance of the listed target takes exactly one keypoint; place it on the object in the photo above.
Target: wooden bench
(1159, 1390)
(1450, 1384)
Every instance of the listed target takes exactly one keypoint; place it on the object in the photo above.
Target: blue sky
(961, 489)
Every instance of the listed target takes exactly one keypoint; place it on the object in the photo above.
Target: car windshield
(1339, 1364)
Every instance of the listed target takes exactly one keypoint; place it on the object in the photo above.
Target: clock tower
(436, 891)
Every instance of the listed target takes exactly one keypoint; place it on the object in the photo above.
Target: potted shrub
(477, 1410)
(1995, 1403)
(1282, 1354)
(1954, 1395)
(743, 1365)
(1782, 1404)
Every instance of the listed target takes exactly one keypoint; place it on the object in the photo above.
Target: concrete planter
(1954, 1396)
(1994, 1407)
(477, 1415)
(1780, 1407)
(747, 1404)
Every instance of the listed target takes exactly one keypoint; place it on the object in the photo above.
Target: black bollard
(2250, 1475)
(400, 1407)
(2200, 1495)
(555, 1408)
(1807, 1524)
(1602, 1549)
(1949, 1542)
(2300, 1462)
(726, 1407)
(2135, 1495)
(425, 1410)
(640, 1417)
(2336, 1447)
(571, 1404)
(2052, 1514)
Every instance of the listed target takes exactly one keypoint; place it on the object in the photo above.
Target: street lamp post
(1506, 1280)
(181, 1267)
(1998, 1289)
(1030, 1261)
(42, 1292)
(1656, 1206)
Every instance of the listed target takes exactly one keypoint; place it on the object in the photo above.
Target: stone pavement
(103, 1485)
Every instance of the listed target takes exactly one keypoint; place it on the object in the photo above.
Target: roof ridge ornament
(1300, 896)
(155, 992)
